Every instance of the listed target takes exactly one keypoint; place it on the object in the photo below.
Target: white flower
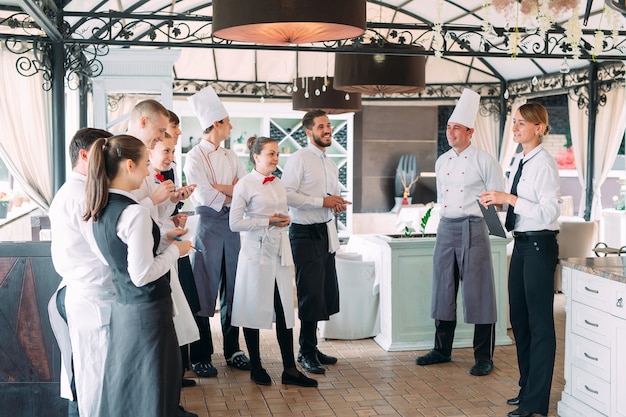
(598, 40)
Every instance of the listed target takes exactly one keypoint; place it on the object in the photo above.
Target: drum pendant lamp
(284, 22)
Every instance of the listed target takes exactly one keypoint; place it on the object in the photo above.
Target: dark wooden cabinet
(30, 361)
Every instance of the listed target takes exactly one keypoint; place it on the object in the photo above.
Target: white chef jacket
(206, 165)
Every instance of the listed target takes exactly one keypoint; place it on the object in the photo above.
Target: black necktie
(510, 215)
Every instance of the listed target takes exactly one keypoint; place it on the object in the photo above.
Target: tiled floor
(367, 381)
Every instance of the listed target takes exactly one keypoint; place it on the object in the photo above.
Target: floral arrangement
(4, 196)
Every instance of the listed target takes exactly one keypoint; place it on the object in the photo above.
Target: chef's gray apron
(216, 243)
(463, 242)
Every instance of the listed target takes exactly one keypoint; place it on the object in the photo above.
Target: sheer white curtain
(610, 125)
(486, 134)
(509, 148)
(25, 140)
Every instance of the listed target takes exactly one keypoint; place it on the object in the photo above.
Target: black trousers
(484, 337)
(283, 334)
(531, 299)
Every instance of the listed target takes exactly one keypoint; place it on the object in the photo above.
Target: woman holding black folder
(532, 215)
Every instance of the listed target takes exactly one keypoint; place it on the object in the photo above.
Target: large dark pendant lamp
(318, 93)
(284, 22)
(376, 73)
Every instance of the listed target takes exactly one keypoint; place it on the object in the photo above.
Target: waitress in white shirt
(263, 285)
(532, 216)
(143, 367)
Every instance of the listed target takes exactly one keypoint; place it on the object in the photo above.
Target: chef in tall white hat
(215, 170)
(466, 109)
(208, 107)
(462, 256)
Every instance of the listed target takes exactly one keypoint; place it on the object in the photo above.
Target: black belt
(536, 233)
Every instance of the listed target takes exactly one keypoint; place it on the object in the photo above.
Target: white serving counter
(595, 338)
(404, 273)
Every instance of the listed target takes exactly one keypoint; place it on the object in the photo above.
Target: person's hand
(336, 202)
(164, 191)
(184, 246)
(174, 233)
(179, 220)
(279, 220)
(497, 198)
(183, 193)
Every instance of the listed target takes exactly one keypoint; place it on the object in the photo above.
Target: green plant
(425, 220)
(407, 231)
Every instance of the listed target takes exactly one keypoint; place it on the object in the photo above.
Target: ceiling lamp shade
(284, 22)
(376, 73)
(312, 93)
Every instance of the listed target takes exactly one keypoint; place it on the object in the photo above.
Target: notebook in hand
(493, 221)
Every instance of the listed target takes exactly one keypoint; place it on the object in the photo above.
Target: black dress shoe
(481, 368)
(184, 413)
(311, 364)
(301, 380)
(186, 383)
(432, 358)
(520, 413)
(260, 377)
(513, 401)
(326, 359)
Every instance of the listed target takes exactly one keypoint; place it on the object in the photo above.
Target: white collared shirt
(309, 176)
(134, 228)
(205, 165)
(460, 178)
(75, 254)
(254, 202)
(538, 191)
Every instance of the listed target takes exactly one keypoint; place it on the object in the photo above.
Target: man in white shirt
(86, 291)
(312, 184)
(462, 251)
(215, 170)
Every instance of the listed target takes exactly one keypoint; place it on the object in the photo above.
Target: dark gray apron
(218, 246)
(464, 243)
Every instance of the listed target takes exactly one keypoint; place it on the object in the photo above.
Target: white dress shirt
(309, 176)
(134, 228)
(538, 191)
(460, 178)
(75, 254)
(205, 165)
(254, 202)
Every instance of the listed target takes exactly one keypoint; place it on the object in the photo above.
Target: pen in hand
(192, 246)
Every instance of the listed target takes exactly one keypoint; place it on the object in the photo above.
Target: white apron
(88, 317)
(265, 260)
(62, 335)
(184, 323)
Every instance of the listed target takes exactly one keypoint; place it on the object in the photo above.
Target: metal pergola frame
(62, 52)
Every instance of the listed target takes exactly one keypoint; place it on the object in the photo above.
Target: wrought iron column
(58, 115)
(83, 91)
(592, 110)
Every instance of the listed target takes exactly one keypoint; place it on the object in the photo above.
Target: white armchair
(358, 302)
(576, 240)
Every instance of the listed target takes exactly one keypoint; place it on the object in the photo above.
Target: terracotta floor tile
(367, 381)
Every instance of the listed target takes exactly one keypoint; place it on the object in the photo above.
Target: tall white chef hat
(466, 109)
(208, 107)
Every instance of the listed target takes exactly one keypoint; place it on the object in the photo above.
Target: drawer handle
(592, 324)
(588, 356)
(591, 390)
(620, 303)
(591, 290)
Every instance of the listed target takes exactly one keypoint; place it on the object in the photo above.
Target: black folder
(493, 221)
